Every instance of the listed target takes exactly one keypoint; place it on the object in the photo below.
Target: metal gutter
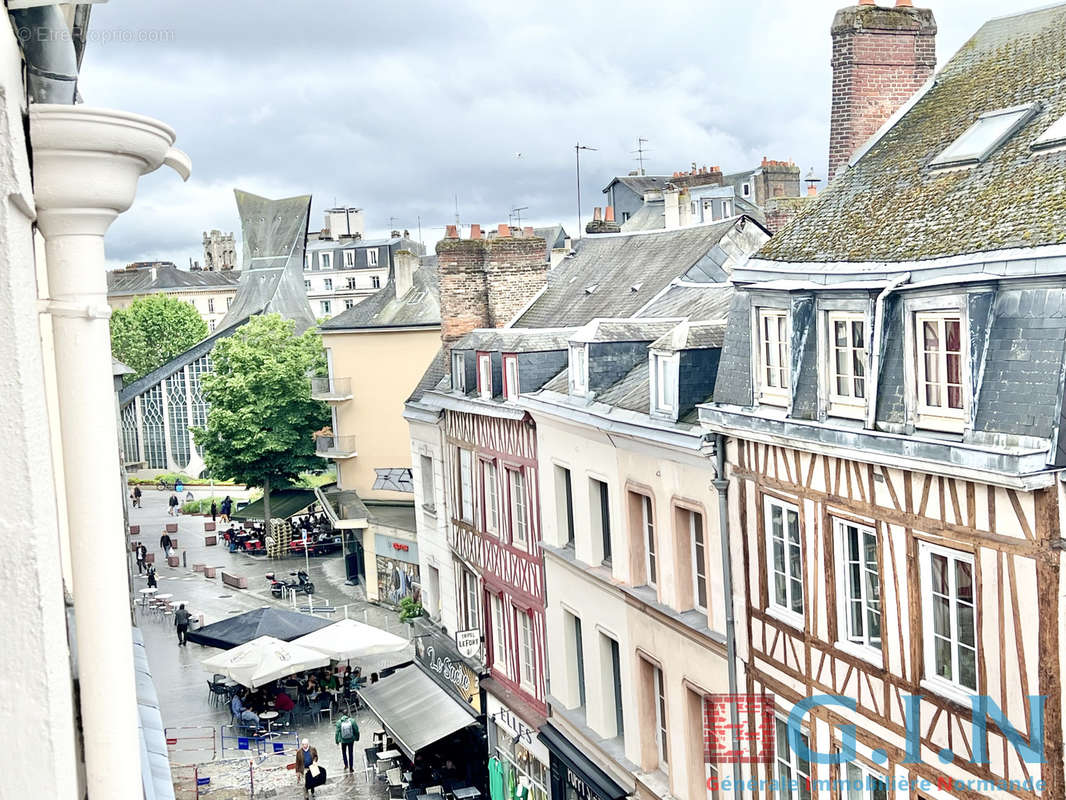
(879, 331)
(51, 59)
(471, 406)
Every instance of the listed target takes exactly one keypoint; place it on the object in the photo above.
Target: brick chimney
(485, 282)
(881, 56)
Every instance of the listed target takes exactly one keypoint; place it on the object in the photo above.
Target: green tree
(261, 418)
(152, 330)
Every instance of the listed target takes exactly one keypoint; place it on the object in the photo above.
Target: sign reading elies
(468, 642)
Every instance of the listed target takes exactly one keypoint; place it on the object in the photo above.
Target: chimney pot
(475, 231)
(452, 232)
(528, 231)
(609, 214)
(867, 3)
(503, 229)
(904, 4)
(597, 214)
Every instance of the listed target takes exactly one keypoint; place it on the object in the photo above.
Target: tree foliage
(152, 330)
(261, 418)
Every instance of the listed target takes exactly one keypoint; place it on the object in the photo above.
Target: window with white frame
(660, 717)
(847, 363)
(793, 772)
(307, 261)
(327, 284)
(375, 281)
(510, 377)
(527, 654)
(860, 611)
(698, 548)
(459, 372)
(372, 257)
(349, 303)
(940, 340)
(350, 283)
(745, 189)
(987, 133)
(499, 636)
(466, 485)
(307, 285)
(773, 356)
(349, 258)
(325, 306)
(428, 496)
(519, 520)
(229, 302)
(949, 617)
(862, 783)
(325, 260)
(490, 491)
(579, 369)
(664, 381)
(727, 208)
(484, 375)
(784, 557)
(211, 305)
(651, 556)
(469, 599)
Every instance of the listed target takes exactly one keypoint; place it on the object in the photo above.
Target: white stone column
(86, 166)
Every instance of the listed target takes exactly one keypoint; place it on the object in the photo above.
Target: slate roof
(649, 217)
(623, 271)
(419, 307)
(624, 330)
(891, 207)
(632, 392)
(696, 301)
(516, 340)
(149, 280)
(691, 336)
(554, 236)
(639, 184)
(433, 375)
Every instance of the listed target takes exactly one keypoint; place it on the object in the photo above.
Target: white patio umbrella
(347, 639)
(263, 660)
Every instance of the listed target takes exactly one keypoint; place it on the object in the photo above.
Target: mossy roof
(891, 207)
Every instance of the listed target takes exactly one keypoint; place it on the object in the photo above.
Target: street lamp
(578, 147)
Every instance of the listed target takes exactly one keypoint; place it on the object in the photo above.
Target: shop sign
(468, 642)
(451, 672)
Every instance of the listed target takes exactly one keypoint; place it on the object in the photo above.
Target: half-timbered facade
(891, 389)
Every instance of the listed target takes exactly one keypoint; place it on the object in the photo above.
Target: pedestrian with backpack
(347, 736)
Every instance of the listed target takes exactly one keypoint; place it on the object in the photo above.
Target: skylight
(1055, 136)
(990, 131)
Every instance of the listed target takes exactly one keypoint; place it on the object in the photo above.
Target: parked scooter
(301, 585)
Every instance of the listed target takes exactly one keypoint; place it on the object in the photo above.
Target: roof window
(1055, 136)
(979, 141)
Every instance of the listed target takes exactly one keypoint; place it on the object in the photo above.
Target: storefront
(397, 569)
(574, 776)
(524, 760)
(438, 656)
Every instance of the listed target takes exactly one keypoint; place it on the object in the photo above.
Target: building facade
(210, 293)
(220, 251)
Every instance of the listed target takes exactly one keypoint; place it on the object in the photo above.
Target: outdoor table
(465, 792)
(268, 717)
(146, 594)
(163, 596)
(428, 797)
(388, 755)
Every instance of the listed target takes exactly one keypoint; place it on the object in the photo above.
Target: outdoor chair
(323, 707)
(219, 692)
(435, 790)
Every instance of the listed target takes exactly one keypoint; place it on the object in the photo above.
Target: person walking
(136, 496)
(305, 757)
(227, 507)
(173, 510)
(152, 583)
(142, 551)
(347, 734)
(214, 511)
(165, 543)
(181, 622)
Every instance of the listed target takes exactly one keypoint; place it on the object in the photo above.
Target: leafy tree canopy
(261, 418)
(152, 330)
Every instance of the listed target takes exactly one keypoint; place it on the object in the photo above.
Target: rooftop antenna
(392, 223)
(640, 151)
(578, 147)
(457, 212)
(420, 231)
(516, 215)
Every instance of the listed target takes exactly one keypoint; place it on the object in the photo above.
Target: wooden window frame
(785, 612)
(773, 395)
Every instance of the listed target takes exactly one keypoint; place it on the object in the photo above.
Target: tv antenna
(640, 152)
(516, 215)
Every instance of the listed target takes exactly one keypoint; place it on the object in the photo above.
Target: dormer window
(982, 138)
(664, 383)
(325, 260)
(773, 356)
(579, 369)
(847, 364)
(484, 375)
(459, 372)
(940, 341)
(510, 377)
(349, 258)
(307, 261)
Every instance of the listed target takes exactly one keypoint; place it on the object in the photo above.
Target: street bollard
(184, 560)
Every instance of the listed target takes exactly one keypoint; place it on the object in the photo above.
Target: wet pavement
(197, 728)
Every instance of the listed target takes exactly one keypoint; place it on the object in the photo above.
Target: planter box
(135, 530)
(198, 567)
(209, 572)
(172, 527)
(173, 561)
(236, 581)
(149, 558)
(209, 526)
(134, 546)
(174, 542)
(210, 541)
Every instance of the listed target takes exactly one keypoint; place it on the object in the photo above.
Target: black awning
(414, 709)
(277, 622)
(594, 777)
(284, 503)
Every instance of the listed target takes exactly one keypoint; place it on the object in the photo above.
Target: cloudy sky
(400, 106)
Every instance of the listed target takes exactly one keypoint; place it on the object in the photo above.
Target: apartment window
(698, 549)
(614, 670)
(459, 372)
(349, 304)
(847, 364)
(579, 372)
(863, 784)
(211, 305)
(861, 612)
(229, 302)
(350, 283)
(349, 258)
(307, 285)
(466, 485)
(469, 599)
(490, 491)
(519, 521)
(745, 189)
(773, 356)
(428, 494)
(625, 216)
(793, 773)
(327, 284)
(528, 654)
(211, 326)
(600, 503)
(579, 656)
(325, 260)
(510, 377)
(372, 258)
(949, 616)
(307, 261)
(375, 281)
(484, 375)
(785, 558)
(647, 524)
(660, 716)
(940, 367)
(432, 602)
(499, 636)
(564, 501)
(727, 208)
(664, 379)
(325, 306)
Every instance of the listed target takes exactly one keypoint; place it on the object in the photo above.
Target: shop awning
(414, 709)
(280, 623)
(284, 503)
